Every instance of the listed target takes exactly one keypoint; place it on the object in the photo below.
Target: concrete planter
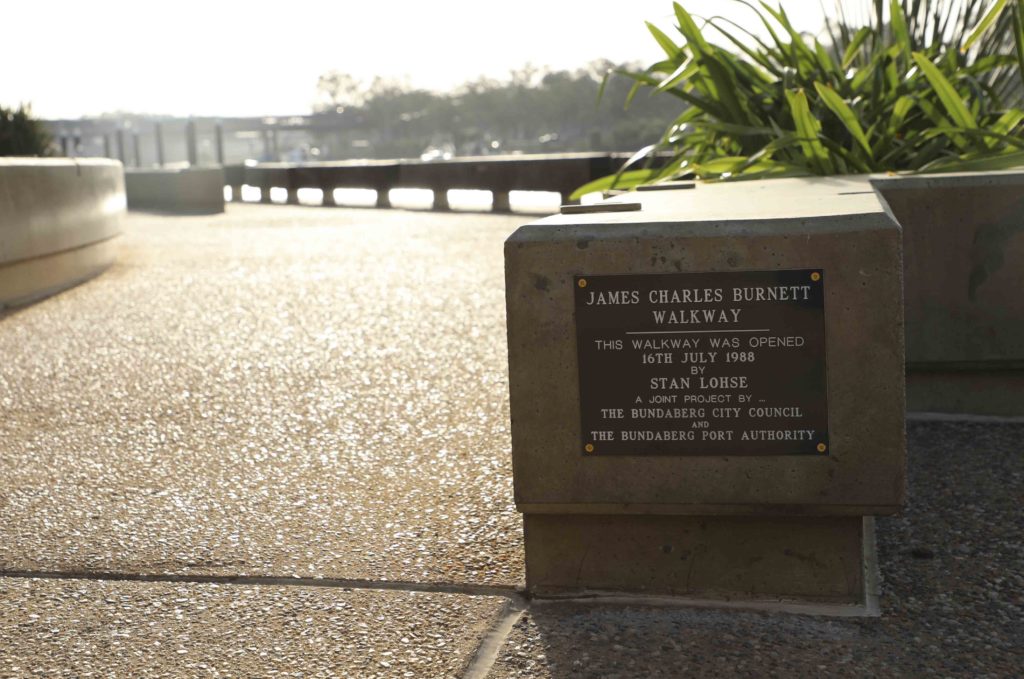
(193, 190)
(59, 220)
(963, 240)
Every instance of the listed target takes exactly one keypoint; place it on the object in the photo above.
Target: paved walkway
(275, 443)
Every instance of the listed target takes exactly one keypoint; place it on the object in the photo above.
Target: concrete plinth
(816, 559)
(741, 521)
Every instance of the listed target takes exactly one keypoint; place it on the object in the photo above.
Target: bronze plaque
(728, 363)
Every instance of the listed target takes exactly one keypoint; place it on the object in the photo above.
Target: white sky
(70, 59)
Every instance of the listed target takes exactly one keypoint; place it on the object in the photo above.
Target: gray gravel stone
(952, 593)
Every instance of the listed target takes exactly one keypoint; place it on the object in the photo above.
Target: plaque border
(827, 438)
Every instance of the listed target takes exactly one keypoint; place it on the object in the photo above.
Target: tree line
(534, 110)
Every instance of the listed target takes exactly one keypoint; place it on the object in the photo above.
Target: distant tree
(336, 90)
(21, 134)
(535, 109)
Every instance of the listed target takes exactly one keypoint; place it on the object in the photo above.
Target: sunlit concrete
(79, 628)
(276, 390)
(302, 391)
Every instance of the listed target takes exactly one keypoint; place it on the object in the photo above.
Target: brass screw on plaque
(582, 282)
(822, 447)
(590, 446)
(815, 276)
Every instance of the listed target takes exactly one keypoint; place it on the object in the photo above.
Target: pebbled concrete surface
(952, 593)
(322, 393)
(82, 628)
(283, 391)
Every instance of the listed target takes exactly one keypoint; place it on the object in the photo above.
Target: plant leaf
(984, 24)
(807, 129)
(1008, 121)
(845, 114)
(851, 50)
(979, 133)
(626, 180)
(977, 163)
(667, 45)
(951, 101)
(898, 22)
(688, 27)
(1018, 36)
(900, 110)
(684, 72)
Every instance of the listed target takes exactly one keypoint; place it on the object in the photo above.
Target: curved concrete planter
(963, 244)
(59, 219)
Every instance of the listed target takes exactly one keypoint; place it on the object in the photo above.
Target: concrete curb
(59, 223)
(193, 190)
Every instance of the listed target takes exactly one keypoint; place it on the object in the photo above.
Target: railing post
(158, 132)
(328, 200)
(106, 146)
(270, 149)
(120, 146)
(236, 193)
(500, 201)
(441, 199)
(64, 146)
(190, 143)
(383, 196)
(135, 149)
(219, 139)
(267, 150)
(293, 196)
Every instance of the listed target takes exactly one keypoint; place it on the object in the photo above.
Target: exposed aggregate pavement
(297, 392)
(274, 391)
(83, 628)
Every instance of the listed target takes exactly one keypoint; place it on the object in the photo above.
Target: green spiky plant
(935, 86)
(21, 134)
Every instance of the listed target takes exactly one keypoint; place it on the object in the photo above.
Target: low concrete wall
(193, 190)
(58, 222)
(963, 264)
(963, 238)
(499, 174)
